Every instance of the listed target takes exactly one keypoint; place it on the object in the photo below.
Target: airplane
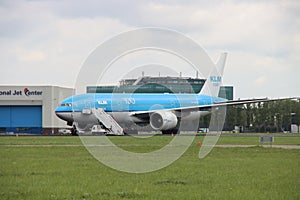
(162, 111)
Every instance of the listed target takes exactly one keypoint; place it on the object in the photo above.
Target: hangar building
(30, 109)
(150, 84)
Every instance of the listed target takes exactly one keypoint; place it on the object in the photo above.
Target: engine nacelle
(162, 120)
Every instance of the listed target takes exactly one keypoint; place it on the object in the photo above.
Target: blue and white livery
(161, 112)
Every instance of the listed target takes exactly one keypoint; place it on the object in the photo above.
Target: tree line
(273, 116)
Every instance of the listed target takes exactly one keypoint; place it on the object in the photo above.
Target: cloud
(29, 55)
(260, 81)
(262, 37)
(59, 45)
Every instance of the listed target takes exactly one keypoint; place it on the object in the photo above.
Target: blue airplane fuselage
(111, 102)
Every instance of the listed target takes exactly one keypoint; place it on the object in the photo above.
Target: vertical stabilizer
(213, 82)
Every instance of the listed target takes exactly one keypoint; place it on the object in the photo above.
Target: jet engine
(162, 120)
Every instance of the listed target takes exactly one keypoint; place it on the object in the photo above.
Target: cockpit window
(66, 104)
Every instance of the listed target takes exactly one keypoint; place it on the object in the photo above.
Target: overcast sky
(46, 42)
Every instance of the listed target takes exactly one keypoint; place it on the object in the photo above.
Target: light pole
(293, 129)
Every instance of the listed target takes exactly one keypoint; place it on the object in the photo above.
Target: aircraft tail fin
(213, 82)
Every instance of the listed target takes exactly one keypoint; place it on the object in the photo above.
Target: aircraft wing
(245, 101)
(145, 114)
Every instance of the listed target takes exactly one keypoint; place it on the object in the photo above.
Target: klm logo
(216, 79)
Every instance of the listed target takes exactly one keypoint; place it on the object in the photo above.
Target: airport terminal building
(30, 109)
(150, 84)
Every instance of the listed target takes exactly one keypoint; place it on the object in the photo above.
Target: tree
(270, 116)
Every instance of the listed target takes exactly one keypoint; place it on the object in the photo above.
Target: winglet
(212, 84)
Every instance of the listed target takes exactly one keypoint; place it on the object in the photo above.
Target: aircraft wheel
(74, 131)
(170, 132)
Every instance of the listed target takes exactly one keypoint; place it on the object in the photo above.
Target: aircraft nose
(64, 116)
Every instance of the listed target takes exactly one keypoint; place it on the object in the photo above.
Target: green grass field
(43, 168)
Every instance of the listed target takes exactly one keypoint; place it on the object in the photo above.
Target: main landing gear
(170, 132)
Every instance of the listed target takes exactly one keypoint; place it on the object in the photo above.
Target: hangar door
(21, 119)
